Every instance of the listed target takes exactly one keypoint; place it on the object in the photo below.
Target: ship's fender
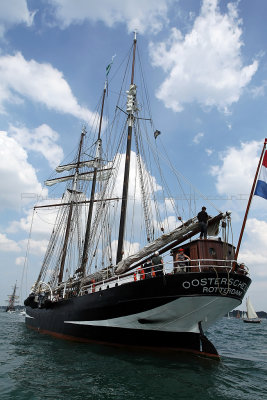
(153, 273)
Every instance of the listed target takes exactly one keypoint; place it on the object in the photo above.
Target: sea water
(35, 366)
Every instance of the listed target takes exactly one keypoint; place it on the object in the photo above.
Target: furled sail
(68, 167)
(177, 234)
(102, 175)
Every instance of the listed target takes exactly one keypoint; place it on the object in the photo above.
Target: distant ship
(97, 283)
(12, 300)
(252, 316)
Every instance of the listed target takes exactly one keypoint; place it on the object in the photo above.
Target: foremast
(73, 192)
(131, 107)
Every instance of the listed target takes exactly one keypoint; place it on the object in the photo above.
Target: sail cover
(177, 234)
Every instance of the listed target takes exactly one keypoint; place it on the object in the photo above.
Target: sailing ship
(97, 283)
(12, 300)
(252, 316)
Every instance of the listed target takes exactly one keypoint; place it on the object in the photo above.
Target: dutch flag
(261, 188)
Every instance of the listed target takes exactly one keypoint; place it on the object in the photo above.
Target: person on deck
(180, 261)
(148, 269)
(203, 217)
(157, 264)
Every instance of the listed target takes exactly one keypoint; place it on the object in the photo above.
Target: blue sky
(207, 68)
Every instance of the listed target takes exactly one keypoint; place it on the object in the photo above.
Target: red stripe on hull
(127, 346)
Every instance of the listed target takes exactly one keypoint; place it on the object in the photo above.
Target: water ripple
(35, 367)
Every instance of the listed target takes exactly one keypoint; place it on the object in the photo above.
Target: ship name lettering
(216, 289)
(213, 285)
(186, 285)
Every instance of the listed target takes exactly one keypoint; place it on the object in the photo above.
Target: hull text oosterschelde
(213, 285)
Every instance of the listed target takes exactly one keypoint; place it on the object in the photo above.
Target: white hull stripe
(181, 315)
(28, 316)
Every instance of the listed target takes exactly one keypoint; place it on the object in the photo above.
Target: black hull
(165, 312)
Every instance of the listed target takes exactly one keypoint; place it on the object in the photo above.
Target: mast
(130, 109)
(249, 201)
(67, 233)
(92, 197)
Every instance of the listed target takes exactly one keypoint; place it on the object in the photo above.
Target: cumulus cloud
(259, 91)
(209, 152)
(8, 245)
(41, 139)
(237, 170)
(253, 250)
(38, 82)
(41, 222)
(197, 138)
(17, 175)
(20, 261)
(129, 248)
(205, 65)
(13, 12)
(36, 247)
(138, 15)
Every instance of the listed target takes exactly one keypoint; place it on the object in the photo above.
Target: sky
(207, 66)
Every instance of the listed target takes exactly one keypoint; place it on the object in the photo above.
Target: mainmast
(73, 191)
(131, 107)
(92, 197)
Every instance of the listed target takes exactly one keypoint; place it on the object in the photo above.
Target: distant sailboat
(12, 300)
(252, 316)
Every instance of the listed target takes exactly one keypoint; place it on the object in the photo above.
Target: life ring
(93, 285)
(141, 272)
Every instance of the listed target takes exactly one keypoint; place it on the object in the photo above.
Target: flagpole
(249, 202)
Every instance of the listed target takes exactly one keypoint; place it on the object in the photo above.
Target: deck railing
(169, 268)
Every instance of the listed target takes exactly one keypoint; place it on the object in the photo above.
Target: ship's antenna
(131, 106)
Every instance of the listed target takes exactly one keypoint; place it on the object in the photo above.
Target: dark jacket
(202, 216)
(157, 260)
